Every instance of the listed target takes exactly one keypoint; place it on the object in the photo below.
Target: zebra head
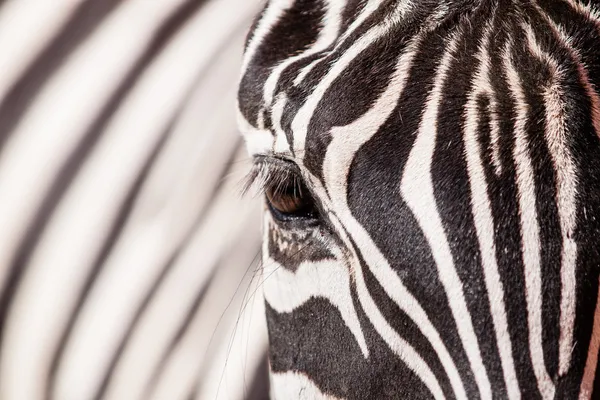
(432, 181)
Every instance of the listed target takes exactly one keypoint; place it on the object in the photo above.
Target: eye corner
(287, 196)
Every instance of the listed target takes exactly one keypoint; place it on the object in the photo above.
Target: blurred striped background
(128, 258)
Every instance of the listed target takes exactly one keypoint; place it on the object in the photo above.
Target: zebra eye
(290, 199)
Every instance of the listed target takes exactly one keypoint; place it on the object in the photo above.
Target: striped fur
(125, 249)
(452, 149)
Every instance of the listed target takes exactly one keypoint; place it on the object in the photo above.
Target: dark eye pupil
(291, 200)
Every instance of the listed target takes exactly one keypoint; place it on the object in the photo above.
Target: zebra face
(431, 175)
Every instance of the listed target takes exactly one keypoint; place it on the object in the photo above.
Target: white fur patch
(293, 385)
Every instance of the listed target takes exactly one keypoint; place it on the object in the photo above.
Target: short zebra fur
(451, 150)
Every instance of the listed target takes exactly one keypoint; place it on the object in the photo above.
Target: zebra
(431, 174)
(126, 250)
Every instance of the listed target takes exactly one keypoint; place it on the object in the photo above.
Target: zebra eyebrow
(269, 172)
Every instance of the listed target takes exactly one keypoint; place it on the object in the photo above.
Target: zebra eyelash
(269, 173)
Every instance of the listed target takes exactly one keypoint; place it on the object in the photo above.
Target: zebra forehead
(307, 72)
(292, 59)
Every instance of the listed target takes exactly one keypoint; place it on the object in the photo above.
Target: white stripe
(366, 12)
(280, 144)
(567, 42)
(346, 141)
(368, 9)
(302, 118)
(397, 344)
(529, 230)
(258, 141)
(494, 125)
(566, 198)
(484, 222)
(587, 382)
(495, 135)
(588, 11)
(417, 190)
(271, 16)
(331, 26)
(330, 279)
(295, 385)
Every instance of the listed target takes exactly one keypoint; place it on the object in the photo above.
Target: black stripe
(388, 376)
(583, 33)
(352, 10)
(408, 329)
(584, 147)
(505, 212)
(346, 99)
(534, 76)
(333, 55)
(377, 166)
(452, 192)
(253, 27)
(307, 341)
(296, 30)
(326, 59)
